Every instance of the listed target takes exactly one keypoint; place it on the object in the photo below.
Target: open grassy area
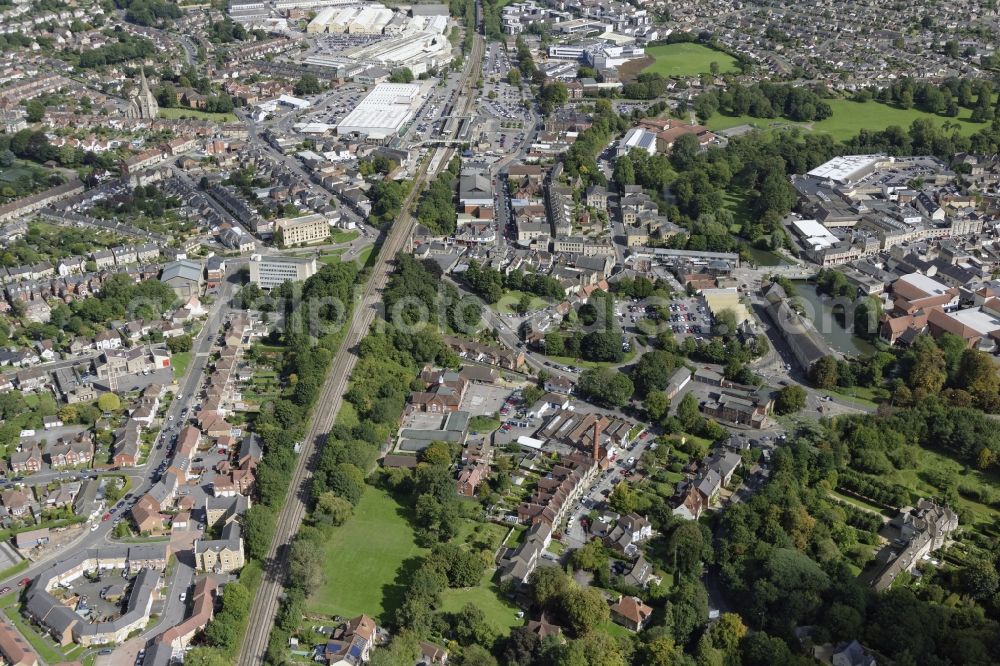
(861, 504)
(332, 256)
(509, 301)
(180, 362)
(850, 117)
(927, 465)
(482, 424)
(580, 363)
(173, 114)
(364, 255)
(615, 630)
(368, 560)
(486, 597)
(687, 59)
(344, 235)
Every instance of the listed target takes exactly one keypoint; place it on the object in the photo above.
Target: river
(819, 308)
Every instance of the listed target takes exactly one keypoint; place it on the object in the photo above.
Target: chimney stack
(597, 440)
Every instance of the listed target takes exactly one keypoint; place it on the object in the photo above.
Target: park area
(687, 59)
(850, 117)
(366, 560)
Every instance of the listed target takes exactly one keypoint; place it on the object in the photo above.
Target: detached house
(631, 530)
(631, 613)
(351, 643)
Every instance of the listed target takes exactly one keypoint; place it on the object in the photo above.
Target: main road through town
(265, 604)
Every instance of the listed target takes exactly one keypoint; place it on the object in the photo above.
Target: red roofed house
(631, 613)
(470, 478)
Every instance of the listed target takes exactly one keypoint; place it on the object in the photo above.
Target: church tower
(143, 103)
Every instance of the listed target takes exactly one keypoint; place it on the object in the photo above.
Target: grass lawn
(615, 630)
(580, 363)
(485, 596)
(367, 560)
(364, 255)
(862, 396)
(332, 256)
(927, 462)
(347, 416)
(766, 257)
(483, 424)
(344, 235)
(509, 300)
(861, 504)
(687, 59)
(849, 117)
(180, 362)
(174, 114)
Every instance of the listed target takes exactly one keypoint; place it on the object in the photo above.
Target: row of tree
(764, 100)
(436, 208)
(490, 284)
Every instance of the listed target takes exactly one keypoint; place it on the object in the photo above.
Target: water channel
(820, 310)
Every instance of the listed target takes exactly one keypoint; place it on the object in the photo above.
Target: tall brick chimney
(597, 441)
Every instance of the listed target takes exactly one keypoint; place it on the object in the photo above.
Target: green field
(687, 59)
(180, 362)
(483, 424)
(174, 114)
(344, 235)
(364, 255)
(849, 117)
(332, 256)
(486, 597)
(928, 463)
(367, 560)
(506, 304)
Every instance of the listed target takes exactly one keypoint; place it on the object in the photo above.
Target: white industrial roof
(383, 111)
(929, 286)
(846, 168)
(638, 137)
(981, 322)
(814, 233)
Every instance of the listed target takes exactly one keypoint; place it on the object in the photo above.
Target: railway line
(265, 604)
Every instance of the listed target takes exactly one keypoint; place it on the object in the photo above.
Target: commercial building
(306, 229)
(270, 272)
(185, 277)
(383, 112)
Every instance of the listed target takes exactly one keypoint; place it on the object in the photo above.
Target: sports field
(687, 59)
(366, 559)
(850, 117)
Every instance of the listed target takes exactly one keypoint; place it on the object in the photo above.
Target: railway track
(265, 604)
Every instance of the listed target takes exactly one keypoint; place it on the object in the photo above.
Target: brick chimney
(597, 440)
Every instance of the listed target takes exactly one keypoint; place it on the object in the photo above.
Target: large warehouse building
(383, 112)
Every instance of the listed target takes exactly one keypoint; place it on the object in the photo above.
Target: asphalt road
(141, 476)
